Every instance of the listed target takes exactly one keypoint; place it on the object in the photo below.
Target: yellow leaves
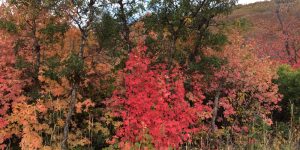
(79, 107)
(175, 28)
(241, 97)
(100, 129)
(206, 115)
(166, 33)
(42, 78)
(26, 115)
(188, 20)
(40, 127)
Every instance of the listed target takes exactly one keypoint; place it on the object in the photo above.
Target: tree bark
(75, 85)
(82, 44)
(37, 52)
(64, 145)
(126, 30)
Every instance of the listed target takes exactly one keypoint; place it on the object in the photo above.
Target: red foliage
(10, 85)
(279, 35)
(246, 86)
(154, 104)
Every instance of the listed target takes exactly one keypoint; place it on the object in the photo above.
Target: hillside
(275, 27)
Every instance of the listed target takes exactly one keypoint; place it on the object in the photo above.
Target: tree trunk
(75, 85)
(73, 100)
(201, 29)
(37, 52)
(82, 44)
(126, 30)
(64, 144)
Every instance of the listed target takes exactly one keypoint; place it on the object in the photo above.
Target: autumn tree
(18, 119)
(152, 106)
(36, 28)
(243, 88)
(83, 14)
(32, 12)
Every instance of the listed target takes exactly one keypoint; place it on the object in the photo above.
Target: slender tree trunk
(82, 44)
(37, 52)
(172, 50)
(215, 110)
(75, 85)
(126, 30)
(73, 100)
(64, 145)
(201, 29)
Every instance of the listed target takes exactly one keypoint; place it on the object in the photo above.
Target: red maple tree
(153, 105)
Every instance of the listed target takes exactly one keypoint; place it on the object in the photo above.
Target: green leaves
(8, 26)
(208, 64)
(52, 32)
(289, 86)
(74, 68)
(107, 31)
(53, 64)
(289, 82)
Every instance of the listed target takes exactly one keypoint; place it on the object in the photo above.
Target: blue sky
(240, 1)
(248, 1)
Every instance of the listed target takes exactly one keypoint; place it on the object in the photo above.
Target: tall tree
(83, 14)
(184, 17)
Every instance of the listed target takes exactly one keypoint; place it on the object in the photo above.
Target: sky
(240, 1)
(249, 1)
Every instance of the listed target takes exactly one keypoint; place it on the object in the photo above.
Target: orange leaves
(26, 116)
(11, 93)
(41, 107)
(31, 140)
(137, 35)
(153, 35)
(53, 87)
(104, 68)
(85, 105)
(58, 91)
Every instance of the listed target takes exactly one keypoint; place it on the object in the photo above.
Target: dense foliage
(158, 74)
